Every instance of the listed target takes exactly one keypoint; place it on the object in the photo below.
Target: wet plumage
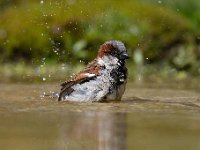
(103, 79)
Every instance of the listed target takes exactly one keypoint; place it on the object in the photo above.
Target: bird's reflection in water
(93, 130)
(112, 131)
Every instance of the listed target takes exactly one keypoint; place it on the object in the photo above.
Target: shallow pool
(150, 116)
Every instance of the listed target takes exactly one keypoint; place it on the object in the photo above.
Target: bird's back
(92, 90)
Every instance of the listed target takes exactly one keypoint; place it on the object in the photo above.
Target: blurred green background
(47, 40)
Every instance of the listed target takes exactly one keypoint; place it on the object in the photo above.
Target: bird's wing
(87, 74)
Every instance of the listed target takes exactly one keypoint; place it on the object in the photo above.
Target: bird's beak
(124, 55)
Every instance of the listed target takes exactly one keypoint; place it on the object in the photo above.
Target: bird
(102, 80)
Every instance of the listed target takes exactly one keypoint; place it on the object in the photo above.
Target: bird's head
(115, 49)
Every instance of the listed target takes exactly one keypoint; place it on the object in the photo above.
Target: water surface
(150, 116)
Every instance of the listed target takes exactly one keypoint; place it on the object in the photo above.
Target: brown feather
(91, 68)
(105, 49)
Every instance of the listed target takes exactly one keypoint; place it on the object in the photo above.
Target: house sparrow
(103, 79)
